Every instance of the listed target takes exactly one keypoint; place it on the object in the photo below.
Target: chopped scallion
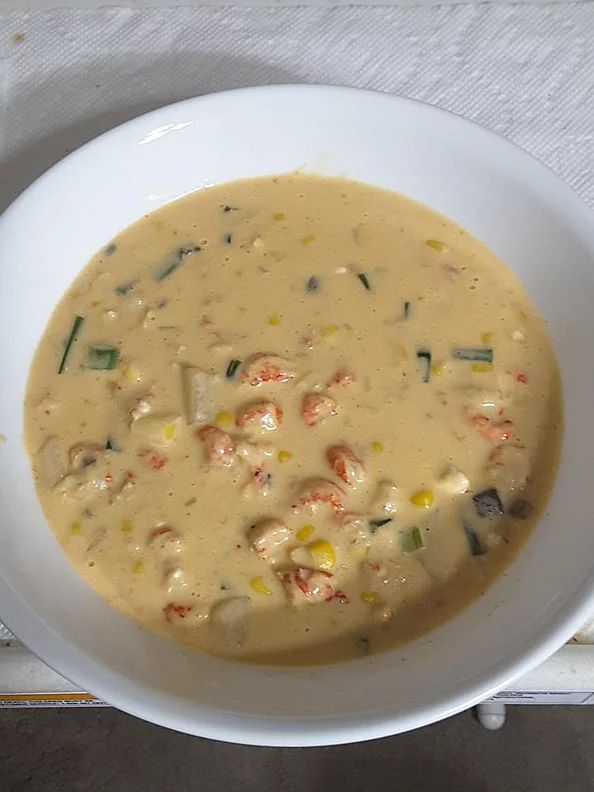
(112, 445)
(103, 358)
(313, 284)
(412, 541)
(406, 310)
(364, 280)
(111, 249)
(232, 368)
(484, 354)
(228, 239)
(377, 523)
(124, 288)
(76, 325)
(424, 355)
(230, 208)
(474, 543)
(190, 502)
(166, 270)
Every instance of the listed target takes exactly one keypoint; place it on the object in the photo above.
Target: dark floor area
(540, 749)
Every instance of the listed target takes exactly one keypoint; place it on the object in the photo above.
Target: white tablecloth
(524, 71)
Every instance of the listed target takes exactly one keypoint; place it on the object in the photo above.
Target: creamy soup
(293, 420)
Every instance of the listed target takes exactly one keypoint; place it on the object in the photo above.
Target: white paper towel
(526, 72)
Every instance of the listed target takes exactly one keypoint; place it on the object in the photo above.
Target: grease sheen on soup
(293, 419)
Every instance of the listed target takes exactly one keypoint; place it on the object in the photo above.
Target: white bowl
(508, 200)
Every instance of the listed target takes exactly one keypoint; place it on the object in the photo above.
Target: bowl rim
(276, 730)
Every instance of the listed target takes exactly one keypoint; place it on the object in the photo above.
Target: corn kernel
(423, 499)
(369, 597)
(127, 526)
(76, 529)
(329, 331)
(482, 367)
(224, 418)
(322, 553)
(259, 586)
(437, 369)
(96, 303)
(436, 245)
(486, 338)
(284, 456)
(138, 568)
(169, 431)
(278, 217)
(304, 533)
(274, 320)
(307, 240)
(377, 447)
(132, 374)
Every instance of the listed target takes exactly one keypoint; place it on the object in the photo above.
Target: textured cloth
(524, 71)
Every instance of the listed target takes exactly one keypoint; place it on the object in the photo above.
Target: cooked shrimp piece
(167, 541)
(254, 454)
(319, 492)
(354, 527)
(219, 450)
(345, 464)
(509, 466)
(303, 585)
(316, 407)
(261, 368)
(342, 378)
(495, 432)
(269, 537)
(174, 612)
(263, 416)
(152, 459)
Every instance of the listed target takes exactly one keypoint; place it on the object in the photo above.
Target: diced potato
(51, 463)
(156, 429)
(198, 392)
(386, 498)
(454, 482)
(229, 618)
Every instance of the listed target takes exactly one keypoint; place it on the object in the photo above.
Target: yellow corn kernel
(169, 431)
(259, 586)
(132, 374)
(127, 526)
(436, 245)
(274, 320)
(322, 553)
(423, 499)
(486, 338)
(284, 456)
(329, 331)
(482, 367)
(224, 418)
(369, 597)
(377, 447)
(304, 533)
(96, 303)
(138, 568)
(437, 369)
(278, 217)
(76, 529)
(307, 240)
